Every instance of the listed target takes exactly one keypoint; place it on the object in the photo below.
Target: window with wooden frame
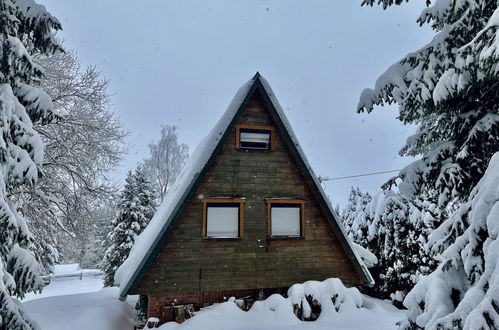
(223, 218)
(250, 137)
(286, 218)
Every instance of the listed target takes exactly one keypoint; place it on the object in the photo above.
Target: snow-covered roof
(143, 251)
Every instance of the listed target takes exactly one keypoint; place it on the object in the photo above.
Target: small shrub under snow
(329, 303)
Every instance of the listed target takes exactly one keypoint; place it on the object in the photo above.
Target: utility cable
(325, 178)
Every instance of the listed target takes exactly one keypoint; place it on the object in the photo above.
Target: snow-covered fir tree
(350, 210)
(424, 217)
(387, 235)
(463, 292)
(449, 89)
(135, 210)
(354, 216)
(26, 29)
(395, 230)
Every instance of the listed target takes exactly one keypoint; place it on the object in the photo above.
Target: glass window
(222, 220)
(255, 139)
(285, 219)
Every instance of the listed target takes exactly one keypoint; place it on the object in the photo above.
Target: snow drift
(340, 307)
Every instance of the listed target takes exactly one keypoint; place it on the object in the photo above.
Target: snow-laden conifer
(135, 210)
(463, 292)
(26, 28)
(395, 229)
(450, 89)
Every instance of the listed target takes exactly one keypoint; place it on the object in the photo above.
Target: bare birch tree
(166, 160)
(81, 149)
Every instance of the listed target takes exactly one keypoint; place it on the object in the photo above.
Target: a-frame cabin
(246, 214)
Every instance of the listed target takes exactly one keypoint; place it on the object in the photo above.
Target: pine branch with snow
(463, 292)
(450, 89)
(27, 28)
(395, 230)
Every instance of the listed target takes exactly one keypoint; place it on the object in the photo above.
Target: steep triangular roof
(148, 243)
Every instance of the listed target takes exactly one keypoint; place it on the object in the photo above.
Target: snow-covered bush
(463, 292)
(313, 298)
(341, 308)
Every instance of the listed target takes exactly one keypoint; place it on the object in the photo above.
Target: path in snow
(79, 304)
(85, 311)
(65, 286)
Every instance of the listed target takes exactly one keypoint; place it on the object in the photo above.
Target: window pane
(285, 221)
(222, 222)
(254, 139)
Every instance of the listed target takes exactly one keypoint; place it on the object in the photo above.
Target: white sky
(181, 62)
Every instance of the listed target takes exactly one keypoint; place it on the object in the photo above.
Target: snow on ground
(227, 316)
(65, 286)
(71, 303)
(84, 311)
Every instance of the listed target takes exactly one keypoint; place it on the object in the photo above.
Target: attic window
(285, 218)
(250, 137)
(222, 218)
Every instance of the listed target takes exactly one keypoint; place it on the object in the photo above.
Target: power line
(323, 179)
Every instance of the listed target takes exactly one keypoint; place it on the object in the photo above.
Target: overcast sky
(180, 62)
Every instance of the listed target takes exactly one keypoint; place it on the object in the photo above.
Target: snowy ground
(67, 286)
(71, 303)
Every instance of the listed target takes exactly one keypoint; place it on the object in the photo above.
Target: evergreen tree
(356, 220)
(396, 262)
(26, 28)
(450, 89)
(463, 292)
(135, 210)
(350, 211)
(424, 217)
(395, 230)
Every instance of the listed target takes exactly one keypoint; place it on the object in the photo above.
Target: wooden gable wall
(187, 263)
